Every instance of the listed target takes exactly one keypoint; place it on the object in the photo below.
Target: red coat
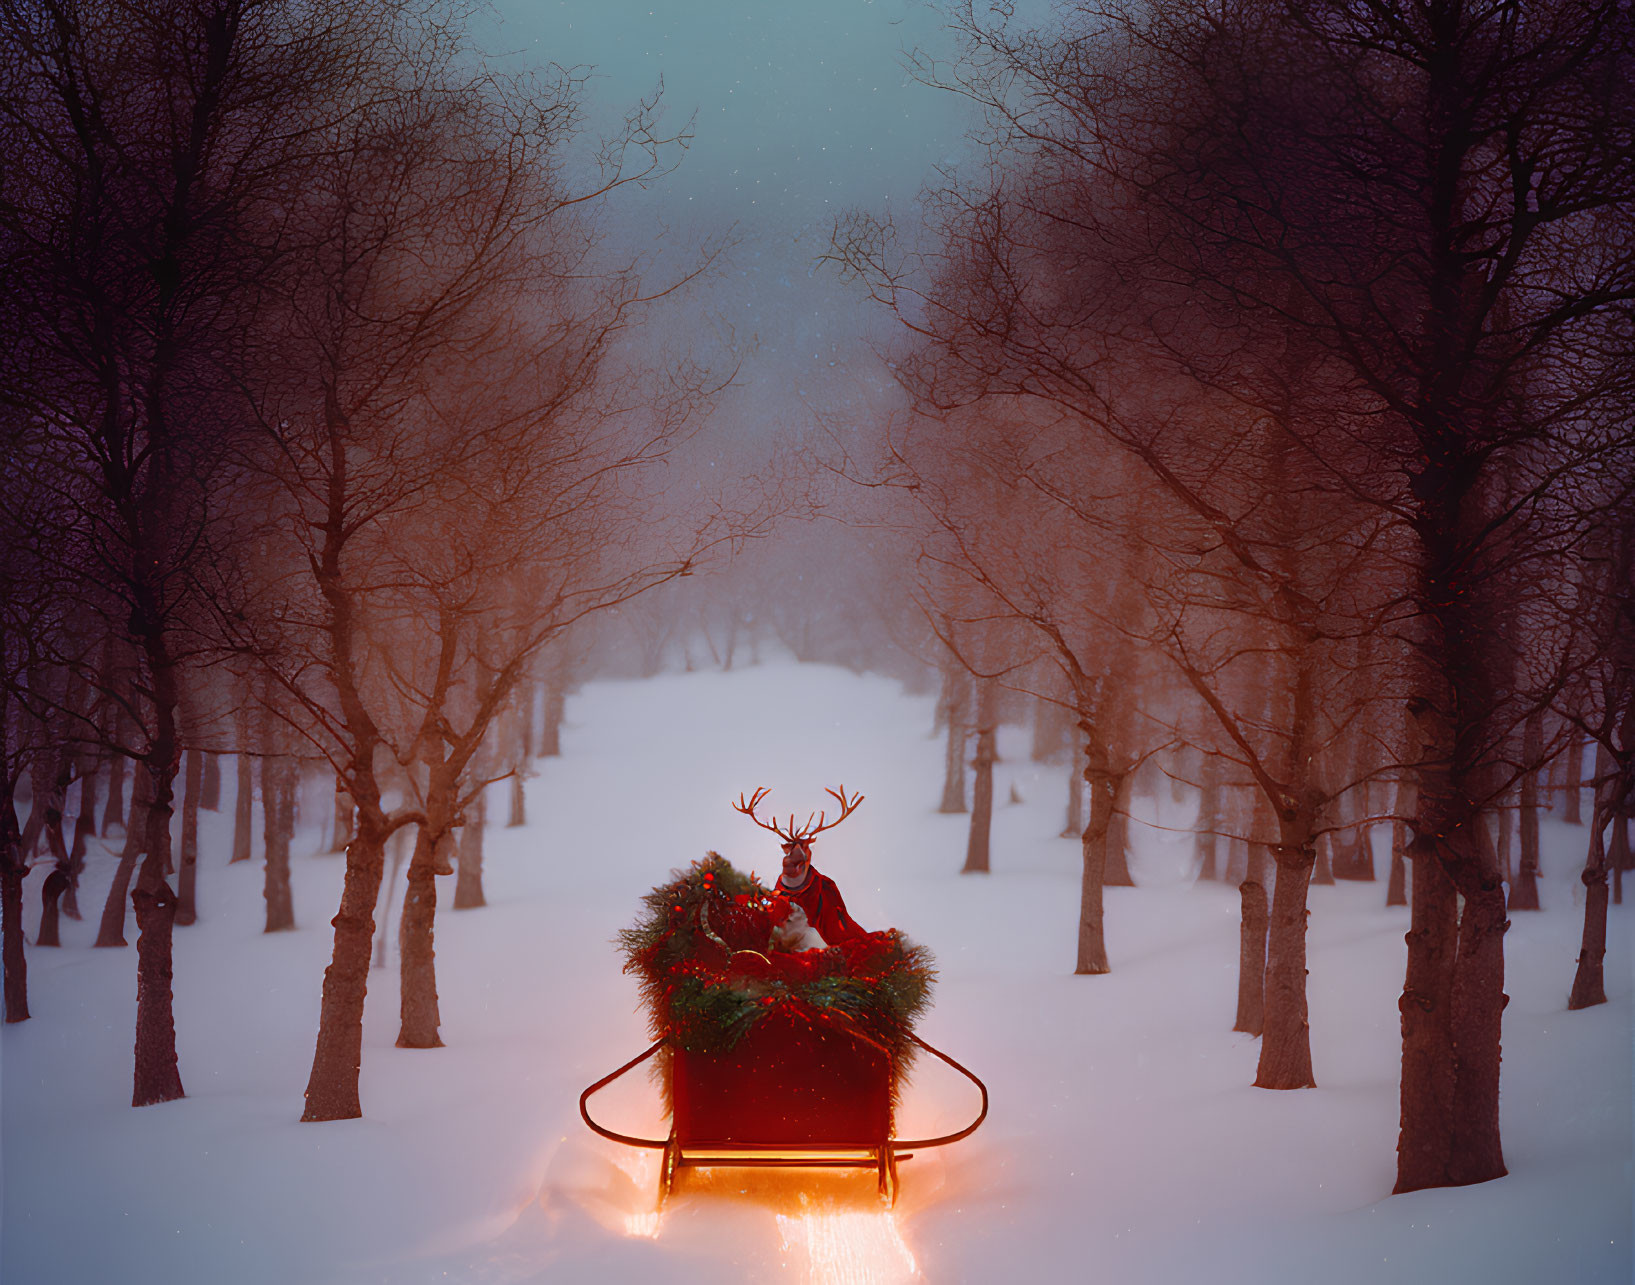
(825, 910)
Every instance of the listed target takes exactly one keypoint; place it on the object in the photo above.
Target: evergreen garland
(702, 956)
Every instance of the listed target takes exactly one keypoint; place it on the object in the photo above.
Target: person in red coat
(816, 894)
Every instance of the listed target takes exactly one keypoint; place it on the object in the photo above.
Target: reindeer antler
(807, 832)
(748, 809)
(847, 807)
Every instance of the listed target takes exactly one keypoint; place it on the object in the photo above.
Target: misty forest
(471, 473)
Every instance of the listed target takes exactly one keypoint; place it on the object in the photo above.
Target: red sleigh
(802, 1084)
(790, 1093)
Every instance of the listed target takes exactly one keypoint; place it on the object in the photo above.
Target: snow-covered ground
(1124, 1145)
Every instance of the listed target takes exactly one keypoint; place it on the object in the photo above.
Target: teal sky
(799, 103)
(802, 108)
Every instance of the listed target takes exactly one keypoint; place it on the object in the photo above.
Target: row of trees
(321, 412)
(1273, 382)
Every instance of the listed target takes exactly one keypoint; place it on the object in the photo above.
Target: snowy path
(1124, 1143)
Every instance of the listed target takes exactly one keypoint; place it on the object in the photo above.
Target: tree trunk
(1118, 835)
(1285, 1046)
(399, 842)
(341, 834)
(84, 828)
(1103, 790)
(13, 957)
(1478, 1015)
(1589, 982)
(468, 881)
(1524, 891)
(956, 701)
(519, 799)
(332, 1087)
(1505, 847)
(244, 802)
(279, 777)
(1396, 890)
(1452, 1003)
(210, 787)
(157, 1076)
(56, 883)
(1618, 854)
(1575, 781)
(1254, 922)
(114, 813)
(978, 837)
(1425, 1008)
(527, 699)
(417, 956)
(111, 931)
(550, 728)
(1209, 818)
(187, 880)
(1074, 828)
(11, 939)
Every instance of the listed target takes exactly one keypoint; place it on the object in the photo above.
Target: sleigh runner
(768, 1056)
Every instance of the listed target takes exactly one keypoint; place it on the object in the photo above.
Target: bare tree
(1405, 198)
(451, 440)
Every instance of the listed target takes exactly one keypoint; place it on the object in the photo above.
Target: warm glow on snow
(847, 1247)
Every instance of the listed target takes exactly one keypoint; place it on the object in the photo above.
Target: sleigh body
(790, 1093)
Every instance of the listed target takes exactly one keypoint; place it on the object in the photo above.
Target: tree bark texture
(979, 837)
(341, 833)
(84, 828)
(1285, 1046)
(1396, 889)
(1524, 891)
(187, 878)
(1618, 855)
(279, 780)
(1574, 811)
(1427, 1034)
(1504, 845)
(1589, 980)
(114, 812)
(56, 883)
(550, 728)
(527, 699)
(210, 786)
(13, 958)
(1103, 789)
(244, 799)
(1209, 818)
(1118, 835)
(157, 1076)
(1452, 1004)
(956, 699)
(111, 930)
(519, 798)
(332, 1086)
(1254, 921)
(1074, 827)
(417, 955)
(468, 880)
